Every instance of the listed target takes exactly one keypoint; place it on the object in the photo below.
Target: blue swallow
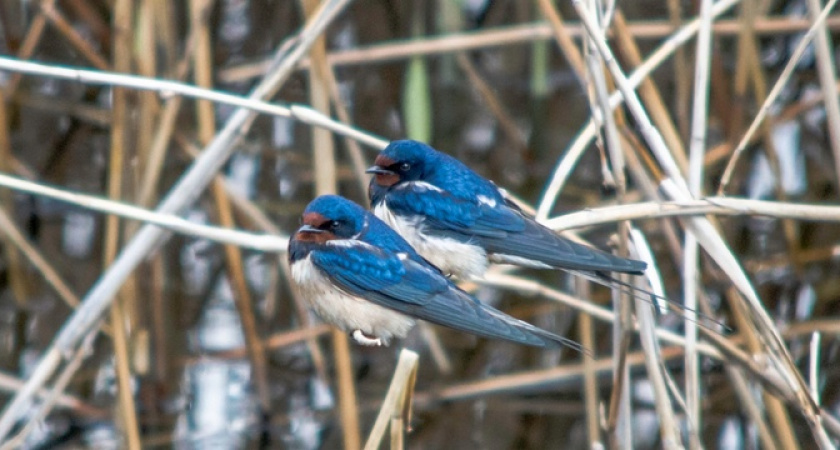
(361, 276)
(458, 220)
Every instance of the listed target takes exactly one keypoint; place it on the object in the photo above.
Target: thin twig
(167, 88)
(828, 81)
(774, 94)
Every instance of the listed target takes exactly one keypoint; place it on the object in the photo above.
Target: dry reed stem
(649, 92)
(675, 187)
(618, 422)
(761, 372)
(590, 386)
(158, 318)
(85, 12)
(323, 161)
(52, 277)
(682, 78)
(493, 104)
(646, 186)
(120, 314)
(510, 35)
(167, 88)
(771, 97)
(813, 366)
(93, 115)
(540, 378)
(274, 342)
(64, 27)
(16, 271)
(828, 81)
(775, 410)
(10, 383)
(530, 380)
(668, 428)
(691, 262)
(157, 151)
(147, 62)
(436, 348)
(750, 407)
(165, 127)
(27, 48)
(203, 72)
(563, 37)
(354, 149)
(397, 403)
(275, 239)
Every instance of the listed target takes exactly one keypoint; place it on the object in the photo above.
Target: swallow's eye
(405, 167)
(333, 224)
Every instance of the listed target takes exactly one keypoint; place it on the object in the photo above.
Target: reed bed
(155, 156)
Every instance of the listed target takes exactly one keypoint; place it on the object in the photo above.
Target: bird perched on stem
(459, 220)
(361, 276)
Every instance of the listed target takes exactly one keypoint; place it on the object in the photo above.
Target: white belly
(347, 312)
(450, 256)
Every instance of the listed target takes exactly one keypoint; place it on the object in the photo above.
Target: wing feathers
(542, 245)
(502, 230)
(418, 290)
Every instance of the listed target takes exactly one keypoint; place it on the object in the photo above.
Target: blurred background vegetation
(484, 80)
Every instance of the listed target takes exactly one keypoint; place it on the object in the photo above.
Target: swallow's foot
(362, 339)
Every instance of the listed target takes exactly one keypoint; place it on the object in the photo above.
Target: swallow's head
(402, 161)
(330, 217)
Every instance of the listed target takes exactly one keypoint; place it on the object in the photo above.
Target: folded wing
(420, 291)
(503, 231)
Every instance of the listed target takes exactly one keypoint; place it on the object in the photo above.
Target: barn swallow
(459, 221)
(361, 276)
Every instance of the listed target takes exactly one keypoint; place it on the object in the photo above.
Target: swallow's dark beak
(310, 229)
(379, 170)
